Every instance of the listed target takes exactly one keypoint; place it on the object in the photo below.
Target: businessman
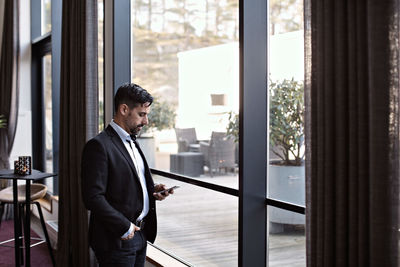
(117, 186)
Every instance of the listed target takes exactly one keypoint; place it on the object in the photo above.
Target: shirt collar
(121, 132)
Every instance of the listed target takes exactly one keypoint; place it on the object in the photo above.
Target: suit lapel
(116, 140)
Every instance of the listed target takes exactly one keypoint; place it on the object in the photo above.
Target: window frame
(253, 204)
(253, 175)
(253, 24)
(48, 43)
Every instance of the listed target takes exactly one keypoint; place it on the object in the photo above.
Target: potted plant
(232, 130)
(286, 166)
(286, 171)
(161, 116)
(287, 122)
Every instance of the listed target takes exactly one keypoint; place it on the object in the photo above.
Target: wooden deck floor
(201, 227)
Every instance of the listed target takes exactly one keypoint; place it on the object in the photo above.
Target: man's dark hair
(132, 95)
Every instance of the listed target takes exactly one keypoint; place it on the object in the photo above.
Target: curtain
(352, 132)
(1, 23)
(9, 86)
(78, 123)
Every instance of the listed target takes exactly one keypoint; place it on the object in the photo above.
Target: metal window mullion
(36, 19)
(117, 50)
(56, 14)
(108, 61)
(253, 133)
(122, 42)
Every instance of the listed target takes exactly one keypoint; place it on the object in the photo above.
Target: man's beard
(136, 130)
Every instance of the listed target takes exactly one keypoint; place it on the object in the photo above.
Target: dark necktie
(129, 142)
(134, 157)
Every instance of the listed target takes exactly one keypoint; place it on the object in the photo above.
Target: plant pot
(148, 146)
(286, 183)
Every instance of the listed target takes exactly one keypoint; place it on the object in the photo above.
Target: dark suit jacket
(111, 190)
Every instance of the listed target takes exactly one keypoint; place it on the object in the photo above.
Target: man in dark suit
(117, 186)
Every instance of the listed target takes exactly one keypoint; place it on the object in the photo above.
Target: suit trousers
(131, 254)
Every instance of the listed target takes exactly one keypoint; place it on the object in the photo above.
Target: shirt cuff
(129, 231)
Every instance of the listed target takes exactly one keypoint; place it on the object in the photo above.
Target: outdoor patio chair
(187, 139)
(219, 152)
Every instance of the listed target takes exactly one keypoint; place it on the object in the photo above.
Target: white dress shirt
(139, 165)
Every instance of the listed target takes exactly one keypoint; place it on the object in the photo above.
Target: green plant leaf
(287, 118)
(162, 116)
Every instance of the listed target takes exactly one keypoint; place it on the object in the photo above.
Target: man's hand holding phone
(161, 191)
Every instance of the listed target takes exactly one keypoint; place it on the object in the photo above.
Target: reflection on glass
(101, 62)
(287, 241)
(186, 53)
(198, 225)
(47, 89)
(46, 16)
(286, 174)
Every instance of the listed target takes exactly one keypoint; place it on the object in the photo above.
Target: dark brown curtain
(352, 132)
(9, 86)
(78, 123)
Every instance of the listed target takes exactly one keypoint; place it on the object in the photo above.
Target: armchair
(219, 152)
(186, 139)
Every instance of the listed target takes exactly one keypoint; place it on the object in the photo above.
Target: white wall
(202, 72)
(215, 70)
(286, 56)
(23, 137)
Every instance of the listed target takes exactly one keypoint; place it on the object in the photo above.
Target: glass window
(286, 246)
(46, 16)
(286, 152)
(48, 122)
(186, 53)
(198, 225)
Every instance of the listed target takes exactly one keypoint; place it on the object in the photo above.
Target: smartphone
(168, 189)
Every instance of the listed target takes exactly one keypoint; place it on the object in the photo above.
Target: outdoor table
(36, 175)
(187, 163)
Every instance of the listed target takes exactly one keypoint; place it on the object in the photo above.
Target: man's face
(136, 118)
